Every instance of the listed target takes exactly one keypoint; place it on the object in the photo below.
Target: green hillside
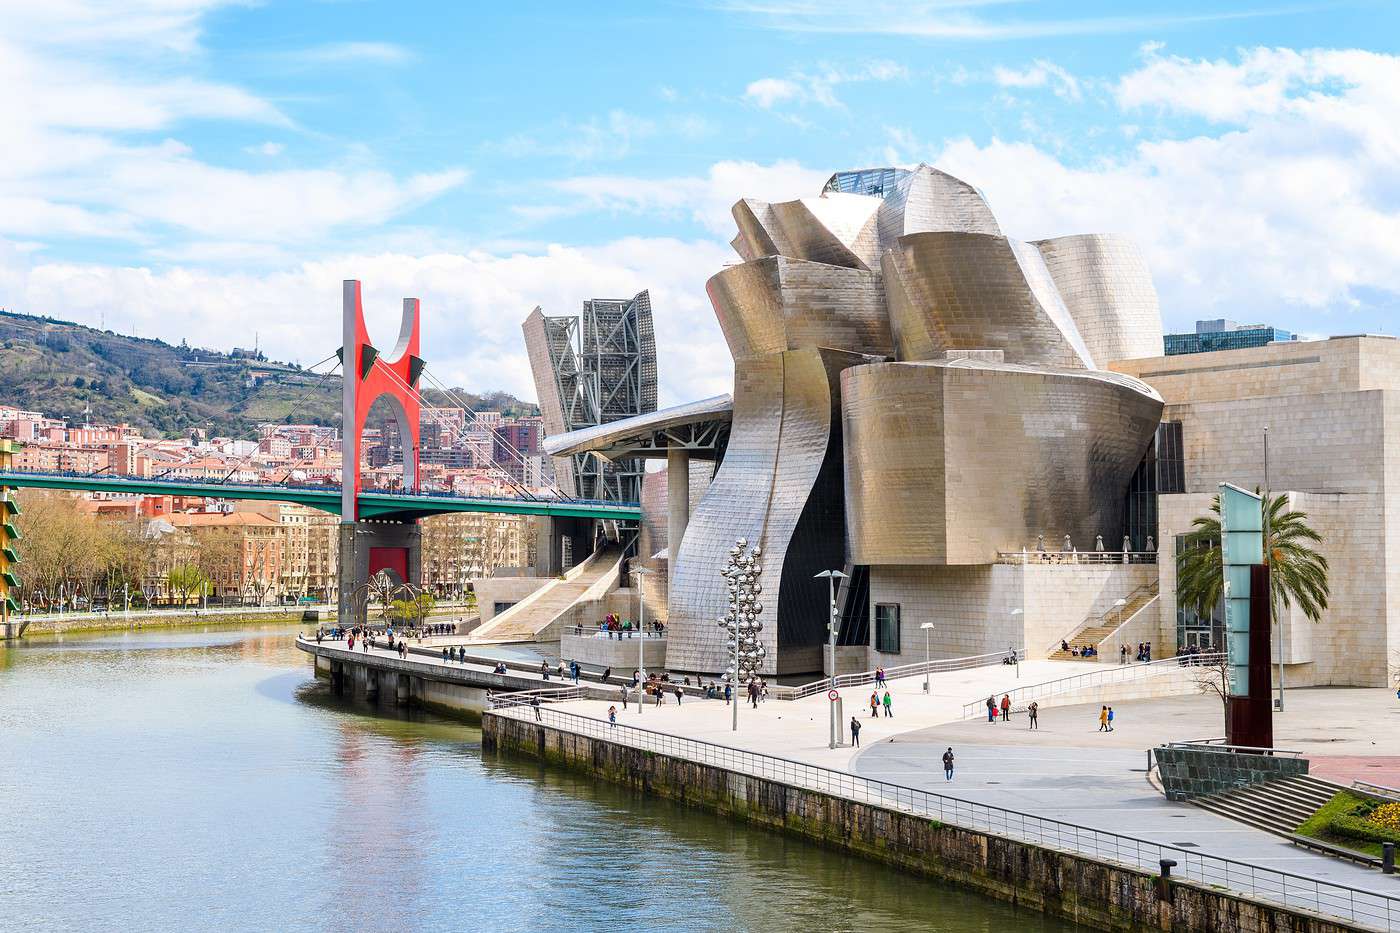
(65, 369)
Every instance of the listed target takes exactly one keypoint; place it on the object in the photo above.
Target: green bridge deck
(381, 505)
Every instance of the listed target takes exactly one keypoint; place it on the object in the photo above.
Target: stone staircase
(1278, 807)
(539, 616)
(1096, 628)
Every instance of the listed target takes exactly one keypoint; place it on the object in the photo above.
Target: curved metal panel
(782, 470)
(836, 229)
(950, 462)
(775, 304)
(967, 291)
(1108, 290)
(927, 200)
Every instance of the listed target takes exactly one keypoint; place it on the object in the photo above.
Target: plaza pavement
(1066, 770)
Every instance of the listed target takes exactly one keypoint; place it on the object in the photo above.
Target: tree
(187, 580)
(1297, 572)
(412, 611)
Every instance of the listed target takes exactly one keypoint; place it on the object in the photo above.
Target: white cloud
(473, 304)
(610, 137)
(269, 149)
(819, 87)
(1290, 215)
(92, 101)
(351, 53)
(1041, 74)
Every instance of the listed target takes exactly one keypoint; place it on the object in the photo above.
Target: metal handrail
(1269, 884)
(1076, 557)
(1209, 745)
(1117, 673)
(527, 697)
(891, 673)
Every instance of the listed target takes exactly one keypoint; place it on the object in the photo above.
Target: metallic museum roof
(693, 424)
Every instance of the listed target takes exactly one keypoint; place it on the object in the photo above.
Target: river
(203, 779)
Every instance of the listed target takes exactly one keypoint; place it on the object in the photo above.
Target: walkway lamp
(831, 577)
(642, 573)
(926, 626)
(743, 622)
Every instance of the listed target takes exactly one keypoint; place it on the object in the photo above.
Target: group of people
(1075, 651)
(876, 701)
(614, 625)
(1004, 708)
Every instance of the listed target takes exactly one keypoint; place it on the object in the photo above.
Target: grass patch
(1342, 822)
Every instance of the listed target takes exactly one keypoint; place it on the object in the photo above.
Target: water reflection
(204, 780)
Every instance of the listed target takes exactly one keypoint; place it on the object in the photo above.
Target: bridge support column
(403, 691)
(552, 533)
(366, 547)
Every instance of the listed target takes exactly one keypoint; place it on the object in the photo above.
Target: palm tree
(1296, 571)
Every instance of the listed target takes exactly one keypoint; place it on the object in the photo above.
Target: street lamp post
(831, 577)
(926, 626)
(641, 573)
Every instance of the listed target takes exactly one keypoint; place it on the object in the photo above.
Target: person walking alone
(855, 732)
(535, 702)
(1103, 719)
(889, 711)
(623, 688)
(612, 717)
(1034, 710)
(948, 765)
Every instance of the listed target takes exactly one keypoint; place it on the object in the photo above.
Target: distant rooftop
(1222, 334)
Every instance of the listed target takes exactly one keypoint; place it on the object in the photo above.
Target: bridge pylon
(369, 546)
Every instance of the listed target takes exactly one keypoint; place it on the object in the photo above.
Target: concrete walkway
(1066, 770)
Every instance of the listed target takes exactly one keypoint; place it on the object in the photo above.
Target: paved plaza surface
(1066, 770)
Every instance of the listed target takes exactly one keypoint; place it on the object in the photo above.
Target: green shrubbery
(1354, 822)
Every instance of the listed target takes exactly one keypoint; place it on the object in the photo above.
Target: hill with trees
(72, 371)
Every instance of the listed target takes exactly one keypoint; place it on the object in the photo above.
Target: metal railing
(1279, 887)
(527, 697)
(892, 673)
(1218, 745)
(1100, 676)
(1076, 557)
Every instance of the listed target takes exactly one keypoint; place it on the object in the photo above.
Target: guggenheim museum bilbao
(984, 437)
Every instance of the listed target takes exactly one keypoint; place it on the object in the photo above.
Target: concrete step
(1270, 804)
(1242, 811)
(1276, 806)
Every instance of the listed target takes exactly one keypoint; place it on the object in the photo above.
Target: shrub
(1387, 817)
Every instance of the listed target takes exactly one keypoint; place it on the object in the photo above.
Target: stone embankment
(1068, 885)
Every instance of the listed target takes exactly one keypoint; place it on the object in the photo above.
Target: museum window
(887, 628)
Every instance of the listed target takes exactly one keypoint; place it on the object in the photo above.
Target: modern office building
(1221, 334)
(589, 370)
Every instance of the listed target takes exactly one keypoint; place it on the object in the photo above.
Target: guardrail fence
(1279, 887)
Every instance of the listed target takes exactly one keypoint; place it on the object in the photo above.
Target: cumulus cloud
(473, 304)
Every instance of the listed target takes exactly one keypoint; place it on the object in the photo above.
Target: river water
(205, 780)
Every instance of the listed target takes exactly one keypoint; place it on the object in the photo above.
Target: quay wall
(1062, 884)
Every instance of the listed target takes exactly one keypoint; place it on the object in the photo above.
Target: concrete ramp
(539, 616)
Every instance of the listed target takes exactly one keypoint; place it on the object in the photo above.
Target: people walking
(535, 702)
(879, 677)
(948, 764)
(679, 691)
(623, 688)
(991, 709)
(889, 712)
(1103, 719)
(728, 692)
(874, 705)
(612, 716)
(544, 669)
(1006, 707)
(1110, 719)
(1122, 654)
(1034, 711)
(855, 732)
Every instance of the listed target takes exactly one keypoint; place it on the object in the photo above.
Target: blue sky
(202, 169)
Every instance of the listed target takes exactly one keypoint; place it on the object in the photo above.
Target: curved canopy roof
(699, 427)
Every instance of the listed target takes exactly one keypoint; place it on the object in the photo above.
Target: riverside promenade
(1066, 785)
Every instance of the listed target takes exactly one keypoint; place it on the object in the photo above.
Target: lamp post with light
(926, 626)
(831, 577)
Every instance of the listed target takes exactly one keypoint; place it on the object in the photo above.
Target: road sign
(833, 696)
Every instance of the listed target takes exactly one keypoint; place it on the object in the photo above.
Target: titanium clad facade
(780, 487)
(929, 201)
(774, 304)
(965, 291)
(951, 462)
(1108, 289)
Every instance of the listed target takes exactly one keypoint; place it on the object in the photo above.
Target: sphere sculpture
(743, 622)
